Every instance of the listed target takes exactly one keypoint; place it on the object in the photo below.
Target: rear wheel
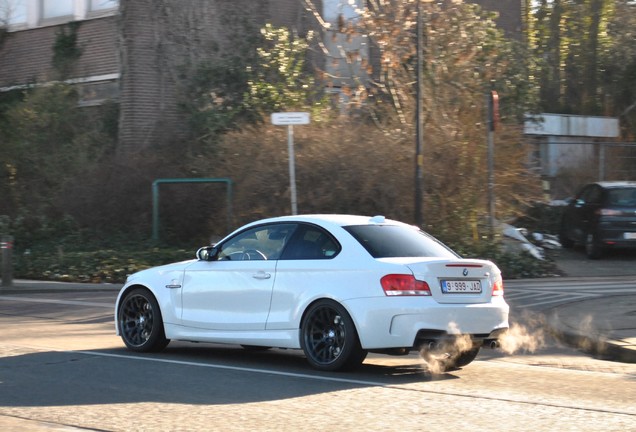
(448, 357)
(140, 322)
(464, 358)
(329, 339)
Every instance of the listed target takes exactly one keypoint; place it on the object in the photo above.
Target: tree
(363, 163)
(465, 56)
(47, 140)
(585, 57)
(280, 80)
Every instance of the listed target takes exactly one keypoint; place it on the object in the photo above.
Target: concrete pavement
(603, 326)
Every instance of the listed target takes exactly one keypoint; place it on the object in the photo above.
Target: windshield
(395, 241)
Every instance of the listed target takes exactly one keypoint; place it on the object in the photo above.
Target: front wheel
(565, 241)
(140, 322)
(329, 339)
(593, 248)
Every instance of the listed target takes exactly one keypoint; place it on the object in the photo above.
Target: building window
(57, 8)
(13, 12)
(97, 5)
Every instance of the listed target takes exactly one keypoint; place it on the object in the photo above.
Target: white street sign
(290, 118)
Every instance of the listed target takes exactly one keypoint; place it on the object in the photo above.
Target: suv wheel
(566, 242)
(592, 247)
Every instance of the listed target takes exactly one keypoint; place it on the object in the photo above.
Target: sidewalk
(604, 326)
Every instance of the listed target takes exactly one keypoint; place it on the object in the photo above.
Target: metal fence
(617, 161)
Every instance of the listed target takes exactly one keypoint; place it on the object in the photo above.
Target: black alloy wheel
(329, 338)
(140, 322)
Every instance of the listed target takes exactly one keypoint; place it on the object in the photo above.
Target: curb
(37, 286)
(598, 346)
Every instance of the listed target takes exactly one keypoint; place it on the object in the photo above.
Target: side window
(264, 242)
(311, 242)
(591, 194)
(594, 197)
(584, 194)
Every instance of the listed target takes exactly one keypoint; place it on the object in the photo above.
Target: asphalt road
(62, 368)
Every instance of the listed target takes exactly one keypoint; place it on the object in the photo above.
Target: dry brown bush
(348, 167)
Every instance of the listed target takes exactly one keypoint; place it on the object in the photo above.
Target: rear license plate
(461, 287)
(630, 236)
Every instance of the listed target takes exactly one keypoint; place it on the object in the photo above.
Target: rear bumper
(610, 234)
(412, 321)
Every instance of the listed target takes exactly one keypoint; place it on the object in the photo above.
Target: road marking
(567, 299)
(237, 368)
(56, 301)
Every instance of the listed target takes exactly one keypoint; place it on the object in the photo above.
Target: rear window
(625, 197)
(394, 241)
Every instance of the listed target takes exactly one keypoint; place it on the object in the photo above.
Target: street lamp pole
(419, 135)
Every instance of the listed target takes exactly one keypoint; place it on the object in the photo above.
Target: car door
(588, 211)
(233, 291)
(582, 214)
(306, 266)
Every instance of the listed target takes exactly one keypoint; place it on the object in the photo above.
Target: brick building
(135, 51)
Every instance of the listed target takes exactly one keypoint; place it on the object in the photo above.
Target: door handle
(262, 275)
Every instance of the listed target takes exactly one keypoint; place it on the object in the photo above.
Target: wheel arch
(331, 299)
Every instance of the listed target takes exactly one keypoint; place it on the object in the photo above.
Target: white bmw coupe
(335, 286)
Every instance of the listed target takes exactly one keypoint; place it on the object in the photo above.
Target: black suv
(602, 215)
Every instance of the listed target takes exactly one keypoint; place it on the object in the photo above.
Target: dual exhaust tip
(440, 344)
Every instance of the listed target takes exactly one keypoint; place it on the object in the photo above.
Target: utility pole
(493, 115)
(419, 134)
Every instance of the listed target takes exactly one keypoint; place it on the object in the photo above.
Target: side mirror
(206, 253)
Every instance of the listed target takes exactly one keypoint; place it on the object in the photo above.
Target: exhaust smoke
(521, 338)
(441, 356)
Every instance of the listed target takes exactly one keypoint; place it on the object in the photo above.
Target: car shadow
(183, 374)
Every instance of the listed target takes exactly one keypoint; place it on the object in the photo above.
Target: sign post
(290, 119)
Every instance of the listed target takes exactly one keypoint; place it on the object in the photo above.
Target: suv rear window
(624, 197)
(394, 241)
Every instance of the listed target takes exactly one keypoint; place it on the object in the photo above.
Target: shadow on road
(183, 374)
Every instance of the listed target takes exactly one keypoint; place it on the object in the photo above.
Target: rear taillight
(497, 287)
(608, 212)
(404, 285)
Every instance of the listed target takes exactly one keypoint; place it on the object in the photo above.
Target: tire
(140, 322)
(565, 241)
(447, 358)
(329, 339)
(593, 249)
(464, 358)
